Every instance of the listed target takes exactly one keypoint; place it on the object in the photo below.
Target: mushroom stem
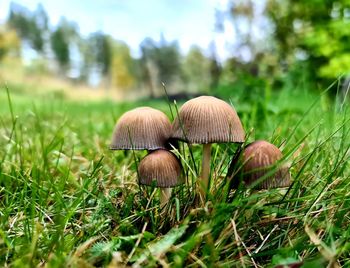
(165, 194)
(205, 169)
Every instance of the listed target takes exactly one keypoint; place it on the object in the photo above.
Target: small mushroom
(162, 169)
(206, 120)
(141, 128)
(260, 159)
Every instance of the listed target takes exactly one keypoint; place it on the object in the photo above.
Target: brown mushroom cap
(207, 119)
(141, 128)
(162, 167)
(258, 160)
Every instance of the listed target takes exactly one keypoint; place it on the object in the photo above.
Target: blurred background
(124, 50)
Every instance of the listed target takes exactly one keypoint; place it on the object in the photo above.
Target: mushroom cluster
(146, 128)
(203, 120)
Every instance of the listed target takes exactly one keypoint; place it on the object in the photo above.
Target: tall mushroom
(259, 160)
(141, 128)
(206, 120)
(162, 169)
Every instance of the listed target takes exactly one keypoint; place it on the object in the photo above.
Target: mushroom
(141, 128)
(259, 160)
(162, 169)
(206, 120)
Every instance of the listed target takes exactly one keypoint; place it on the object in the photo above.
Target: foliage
(122, 67)
(196, 71)
(9, 42)
(101, 49)
(88, 58)
(160, 62)
(60, 46)
(61, 39)
(167, 58)
(319, 30)
(215, 70)
(280, 36)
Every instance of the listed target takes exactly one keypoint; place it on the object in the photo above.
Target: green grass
(66, 200)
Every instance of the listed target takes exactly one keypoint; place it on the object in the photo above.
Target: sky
(191, 22)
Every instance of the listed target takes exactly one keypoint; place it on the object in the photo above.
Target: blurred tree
(61, 39)
(101, 49)
(122, 75)
(283, 32)
(167, 59)
(161, 62)
(30, 26)
(148, 70)
(87, 56)
(39, 28)
(196, 69)
(60, 47)
(250, 28)
(215, 68)
(249, 47)
(9, 42)
(242, 17)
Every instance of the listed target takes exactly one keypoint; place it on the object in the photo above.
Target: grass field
(66, 200)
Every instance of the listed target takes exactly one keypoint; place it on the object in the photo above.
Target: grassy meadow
(66, 200)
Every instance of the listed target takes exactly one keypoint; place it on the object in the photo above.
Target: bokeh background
(124, 50)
